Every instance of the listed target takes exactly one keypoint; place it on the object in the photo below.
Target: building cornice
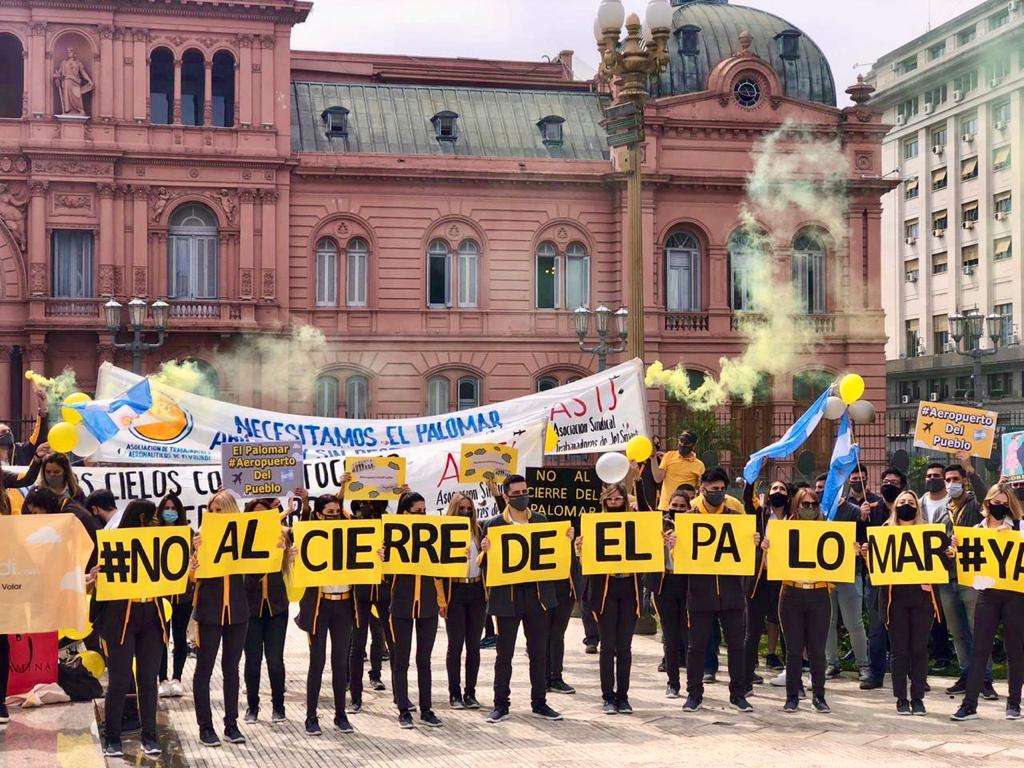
(275, 11)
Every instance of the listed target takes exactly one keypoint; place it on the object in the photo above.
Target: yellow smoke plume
(56, 389)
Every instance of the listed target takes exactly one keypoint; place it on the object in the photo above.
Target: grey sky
(850, 32)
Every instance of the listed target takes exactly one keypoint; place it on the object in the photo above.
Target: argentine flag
(790, 442)
(845, 458)
(105, 418)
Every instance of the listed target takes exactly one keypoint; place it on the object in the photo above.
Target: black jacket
(879, 514)
(266, 594)
(501, 601)
(221, 600)
(415, 597)
(110, 618)
(309, 609)
(24, 453)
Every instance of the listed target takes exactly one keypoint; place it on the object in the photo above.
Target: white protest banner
(430, 470)
(596, 414)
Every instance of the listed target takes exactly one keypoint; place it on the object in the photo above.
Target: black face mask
(715, 498)
(685, 449)
(778, 500)
(935, 484)
(519, 503)
(857, 486)
(890, 492)
(998, 511)
(6, 440)
(618, 507)
(906, 512)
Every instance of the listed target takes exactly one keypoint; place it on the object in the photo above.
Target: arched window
(545, 383)
(438, 392)
(193, 87)
(357, 397)
(357, 261)
(808, 385)
(577, 276)
(682, 272)
(809, 271)
(552, 287)
(161, 86)
(743, 264)
(192, 251)
(327, 273)
(210, 381)
(223, 89)
(12, 75)
(443, 393)
(547, 276)
(469, 263)
(468, 392)
(325, 395)
(439, 275)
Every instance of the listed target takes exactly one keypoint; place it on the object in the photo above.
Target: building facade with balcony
(952, 229)
(437, 219)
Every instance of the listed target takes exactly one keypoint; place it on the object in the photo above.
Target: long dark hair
(138, 514)
(268, 504)
(320, 503)
(61, 460)
(369, 509)
(610, 490)
(406, 502)
(175, 502)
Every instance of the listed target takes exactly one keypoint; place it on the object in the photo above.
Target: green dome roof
(705, 32)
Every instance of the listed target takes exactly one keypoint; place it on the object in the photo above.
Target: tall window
(910, 147)
(809, 272)
(438, 391)
(327, 273)
(193, 87)
(547, 276)
(562, 283)
(682, 272)
(1006, 311)
(357, 397)
(742, 265)
(439, 271)
(545, 383)
(357, 262)
(440, 274)
(12, 75)
(223, 89)
(450, 394)
(161, 86)
(72, 263)
(468, 392)
(469, 262)
(192, 247)
(325, 395)
(577, 276)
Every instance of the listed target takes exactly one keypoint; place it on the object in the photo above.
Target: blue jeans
(848, 600)
(878, 638)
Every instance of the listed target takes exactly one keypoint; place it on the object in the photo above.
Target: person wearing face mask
(369, 624)
(511, 605)
(327, 612)
(56, 475)
(669, 591)
(20, 454)
(678, 467)
(466, 605)
(169, 512)
(908, 610)
(716, 598)
(615, 599)
(1001, 511)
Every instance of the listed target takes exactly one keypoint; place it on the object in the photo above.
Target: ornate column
(718, 273)
(37, 247)
(245, 78)
(208, 94)
(6, 407)
(107, 236)
(177, 92)
(122, 73)
(267, 80)
(105, 85)
(140, 84)
(268, 244)
(36, 72)
(135, 263)
(247, 251)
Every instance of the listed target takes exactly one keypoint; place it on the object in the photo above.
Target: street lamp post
(137, 327)
(628, 64)
(969, 328)
(604, 347)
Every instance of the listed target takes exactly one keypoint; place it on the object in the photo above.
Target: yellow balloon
(639, 449)
(63, 437)
(294, 592)
(93, 662)
(75, 634)
(551, 440)
(70, 415)
(166, 605)
(851, 388)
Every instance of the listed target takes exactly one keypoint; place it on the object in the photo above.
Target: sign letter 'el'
(622, 542)
(718, 545)
(528, 552)
(336, 552)
(812, 550)
(426, 545)
(907, 554)
(141, 563)
(242, 543)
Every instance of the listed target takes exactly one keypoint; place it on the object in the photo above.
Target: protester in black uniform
(20, 454)
(669, 591)
(368, 622)
(169, 512)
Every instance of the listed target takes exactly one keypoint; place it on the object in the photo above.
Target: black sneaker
(5, 716)
(917, 708)
(661, 665)
(903, 707)
(820, 705)
(354, 707)
(456, 701)
(965, 712)
(959, 688)
(470, 701)
(376, 684)
(405, 720)
(151, 747)
(342, 724)
(560, 686)
(1012, 711)
(113, 749)
(773, 662)
(693, 703)
(252, 715)
(988, 693)
(740, 703)
(870, 684)
(591, 649)
(232, 735)
(208, 737)
(489, 642)
(672, 692)
(609, 708)
(498, 715)
(757, 679)
(792, 704)
(428, 718)
(278, 716)
(833, 672)
(313, 726)
(544, 712)
(624, 707)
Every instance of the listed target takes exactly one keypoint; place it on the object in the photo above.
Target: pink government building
(438, 219)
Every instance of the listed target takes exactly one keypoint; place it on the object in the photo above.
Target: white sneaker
(164, 690)
(779, 681)
(177, 689)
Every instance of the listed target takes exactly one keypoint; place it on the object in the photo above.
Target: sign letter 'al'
(140, 563)
(907, 554)
(528, 552)
(721, 545)
(235, 544)
(812, 550)
(622, 542)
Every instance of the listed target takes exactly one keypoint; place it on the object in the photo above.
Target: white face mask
(955, 490)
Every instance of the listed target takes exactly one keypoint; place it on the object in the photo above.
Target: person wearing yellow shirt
(677, 468)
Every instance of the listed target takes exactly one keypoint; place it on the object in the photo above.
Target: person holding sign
(170, 512)
(414, 606)
(669, 591)
(131, 630)
(327, 611)
(367, 598)
(466, 604)
(1002, 511)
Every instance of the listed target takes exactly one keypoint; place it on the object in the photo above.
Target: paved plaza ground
(864, 728)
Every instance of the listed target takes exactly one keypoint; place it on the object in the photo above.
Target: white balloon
(612, 467)
(862, 412)
(834, 408)
(87, 443)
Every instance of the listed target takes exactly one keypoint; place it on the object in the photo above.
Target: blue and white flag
(105, 418)
(845, 458)
(790, 442)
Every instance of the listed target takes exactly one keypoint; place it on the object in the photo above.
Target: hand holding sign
(906, 554)
(811, 551)
(621, 542)
(239, 543)
(955, 428)
(142, 563)
(528, 552)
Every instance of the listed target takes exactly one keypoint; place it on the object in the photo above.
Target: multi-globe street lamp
(604, 347)
(966, 330)
(137, 308)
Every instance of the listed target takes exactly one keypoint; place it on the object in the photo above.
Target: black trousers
(529, 612)
(909, 624)
(616, 624)
(5, 665)
(401, 644)
(143, 643)
(700, 625)
(336, 618)
(367, 625)
(995, 606)
(180, 615)
(760, 607)
(671, 607)
(211, 638)
(558, 623)
(265, 637)
(805, 615)
(465, 626)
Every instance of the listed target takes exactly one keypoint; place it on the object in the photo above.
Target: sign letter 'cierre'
(907, 554)
(336, 552)
(426, 545)
(720, 545)
(810, 550)
(622, 542)
(142, 563)
(243, 543)
(528, 552)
